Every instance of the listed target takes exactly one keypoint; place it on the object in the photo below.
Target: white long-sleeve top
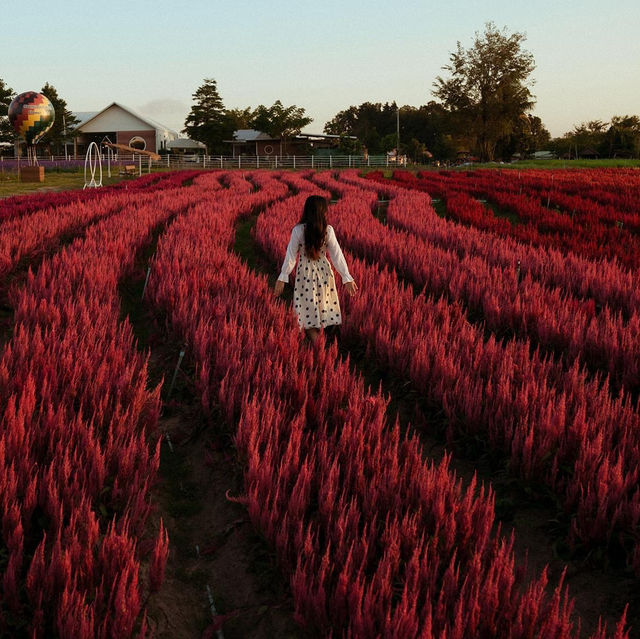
(296, 243)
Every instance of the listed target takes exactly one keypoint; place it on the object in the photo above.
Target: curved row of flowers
(78, 451)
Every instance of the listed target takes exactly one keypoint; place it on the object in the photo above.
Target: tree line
(212, 124)
(618, 138)
(482, 110)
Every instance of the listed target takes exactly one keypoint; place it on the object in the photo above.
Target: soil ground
(214, 550)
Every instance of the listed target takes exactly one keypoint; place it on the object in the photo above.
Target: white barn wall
(127, 124)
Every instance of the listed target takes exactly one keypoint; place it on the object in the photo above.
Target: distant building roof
(150, 122)
(250, 135)
(325, 136)
(185, 143)
(543, 155)
(253, 135)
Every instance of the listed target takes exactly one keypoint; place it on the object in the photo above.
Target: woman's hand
(351, 287)
(278, 288)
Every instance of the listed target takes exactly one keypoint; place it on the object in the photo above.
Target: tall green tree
(208, 122)
(370, 122)
(241, 118)
(586, 136)
(375, 125)
(6, 130)
(622, 138)
(280, 121)
(529, 135)
(487, 90)
(64, 123)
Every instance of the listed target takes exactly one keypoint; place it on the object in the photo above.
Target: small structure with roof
(589, 154)
(186, 145)
(119, 124)
(253, 142)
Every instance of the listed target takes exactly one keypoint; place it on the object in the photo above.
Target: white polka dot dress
(315, 294)
(315, 298)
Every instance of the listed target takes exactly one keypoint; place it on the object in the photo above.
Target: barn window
(138, 143)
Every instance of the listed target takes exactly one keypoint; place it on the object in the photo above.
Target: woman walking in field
(315, 295)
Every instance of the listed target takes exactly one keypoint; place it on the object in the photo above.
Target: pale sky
(323, 55)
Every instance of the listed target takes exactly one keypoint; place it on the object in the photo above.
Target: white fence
(260, 161)
(143, 163)
(284, 162)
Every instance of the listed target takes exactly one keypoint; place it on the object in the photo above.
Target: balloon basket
(32, 174)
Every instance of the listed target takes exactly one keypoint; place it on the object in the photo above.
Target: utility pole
(397, 135)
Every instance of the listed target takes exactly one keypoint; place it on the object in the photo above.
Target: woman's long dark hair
(314, 217)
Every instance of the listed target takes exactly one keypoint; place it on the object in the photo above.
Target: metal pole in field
(175, 372)
(146, 281)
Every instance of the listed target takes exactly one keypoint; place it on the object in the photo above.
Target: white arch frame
(93, 160)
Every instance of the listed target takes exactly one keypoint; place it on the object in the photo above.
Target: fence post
(168, 161)
(204, 161)
(330, 161)
(257, 161)
(387, 160)
(368, 161)
(276, 164)
(294, 161)
(349, 161)
(312, 161)
(220, 161)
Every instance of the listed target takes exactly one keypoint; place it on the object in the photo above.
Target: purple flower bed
(12, 164)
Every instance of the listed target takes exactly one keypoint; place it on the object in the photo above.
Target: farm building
(122, 125)
(253, 142)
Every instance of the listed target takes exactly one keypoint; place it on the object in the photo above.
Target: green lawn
(522, 164)
(53, 181)
(560, 164)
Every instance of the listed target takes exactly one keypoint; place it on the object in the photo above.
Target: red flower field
(506, 304)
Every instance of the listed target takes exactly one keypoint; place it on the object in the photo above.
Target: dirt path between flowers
(220, 575)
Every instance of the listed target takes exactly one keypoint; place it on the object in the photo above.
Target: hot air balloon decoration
(31, 114)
